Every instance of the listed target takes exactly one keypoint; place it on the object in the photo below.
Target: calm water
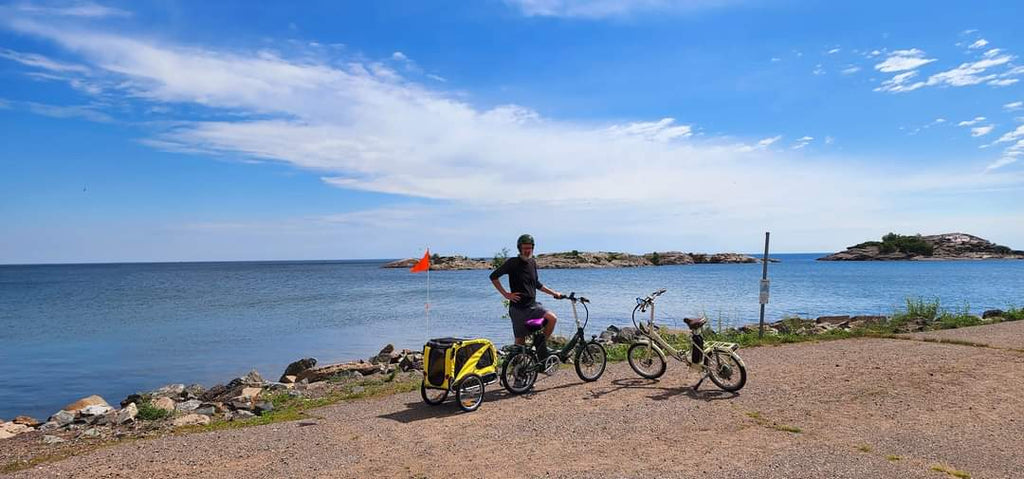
(68, 331)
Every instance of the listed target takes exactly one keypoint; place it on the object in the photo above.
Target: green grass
(950, 471)
(865, 448)
(893, 458)
(1014, 314)
(148, 412)
(762, 421)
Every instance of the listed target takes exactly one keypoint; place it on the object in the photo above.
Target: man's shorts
(520, 315)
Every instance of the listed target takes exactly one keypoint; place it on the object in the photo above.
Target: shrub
(655, 258)
(893, 242)
(149, 412)
(499, 258)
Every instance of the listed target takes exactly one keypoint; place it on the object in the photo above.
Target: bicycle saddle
(695, 323)
(536, 324)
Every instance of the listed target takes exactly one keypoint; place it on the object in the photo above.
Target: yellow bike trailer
(461, 365)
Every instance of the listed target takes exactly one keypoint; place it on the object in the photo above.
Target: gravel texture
(1008, 335)
(864, 408)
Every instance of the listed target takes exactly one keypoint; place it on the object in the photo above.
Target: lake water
(68, 331)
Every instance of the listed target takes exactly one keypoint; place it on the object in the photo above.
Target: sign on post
(765, 284)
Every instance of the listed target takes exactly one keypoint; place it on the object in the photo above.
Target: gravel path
(864, 408)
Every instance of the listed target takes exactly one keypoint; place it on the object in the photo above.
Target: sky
(219, 131)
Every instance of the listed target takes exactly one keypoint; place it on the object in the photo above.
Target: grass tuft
(950, 471)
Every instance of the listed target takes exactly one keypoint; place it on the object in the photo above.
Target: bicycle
(521, 367)
(715, 359)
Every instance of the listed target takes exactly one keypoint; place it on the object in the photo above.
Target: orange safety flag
(423, 264)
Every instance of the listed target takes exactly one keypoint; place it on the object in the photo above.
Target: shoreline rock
(947, 246)
(586, 260)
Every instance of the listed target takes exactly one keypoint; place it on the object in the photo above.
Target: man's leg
(550, 326)
(521, 341)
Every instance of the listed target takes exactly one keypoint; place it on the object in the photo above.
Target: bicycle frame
(576, 341)
(655, 341)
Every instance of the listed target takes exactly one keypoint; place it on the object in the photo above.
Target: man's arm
(513, 297)
(553, 293)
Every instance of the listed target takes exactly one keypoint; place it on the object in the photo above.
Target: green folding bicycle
(715, 359)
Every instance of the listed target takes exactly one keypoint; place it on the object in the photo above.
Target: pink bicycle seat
(536, 324)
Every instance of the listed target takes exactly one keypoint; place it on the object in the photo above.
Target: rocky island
(583, 260)
(948, 246)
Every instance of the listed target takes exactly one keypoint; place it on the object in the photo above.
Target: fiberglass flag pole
(424, 265)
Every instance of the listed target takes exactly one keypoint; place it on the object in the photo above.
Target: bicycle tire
(521, 366)
(469, 395)
(721, 373)
(596, 354)
(433, 400)
(646, 360)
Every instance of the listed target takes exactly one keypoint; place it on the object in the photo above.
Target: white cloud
(971, 122)
(1001, 162)
(901, 60)
(850, 70)
(362, 126)
(79, 9)
(978, 44)
(1014, 135)
(875, 53)
(1013, 106)
(991, 53)
(1003, 82)
(833, 51)
(776, 59)
(939, 120)
(399, 56)
(437, 78)
(69, 111)
(818, 70)
(596, 9)
(760, 145)
(802, 142)
(40, 61)
(982, 130)
(968, 73)
(898, 83)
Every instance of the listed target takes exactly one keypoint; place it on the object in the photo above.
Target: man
(523, 281)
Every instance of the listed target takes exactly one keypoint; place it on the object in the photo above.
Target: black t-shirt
(522, 279)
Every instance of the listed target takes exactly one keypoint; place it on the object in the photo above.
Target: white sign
(764, 291)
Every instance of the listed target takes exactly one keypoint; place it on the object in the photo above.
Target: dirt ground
(851, 408)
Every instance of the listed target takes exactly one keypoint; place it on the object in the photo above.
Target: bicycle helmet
(524, 239)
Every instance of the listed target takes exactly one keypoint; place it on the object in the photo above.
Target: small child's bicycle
(715, 359)
(520, 368)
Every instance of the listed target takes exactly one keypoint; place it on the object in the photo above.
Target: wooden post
(764, 286)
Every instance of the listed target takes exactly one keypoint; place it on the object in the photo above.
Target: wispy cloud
(363, 125)
(69, 111)
(39, 61)
(77, 9)
(971, 122)
(978, 44)
(850, 70)
(596, 9)
(802, 142)
(902, 60)
(1014, 106)
(982, 130)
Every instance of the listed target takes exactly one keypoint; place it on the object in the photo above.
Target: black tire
(521, 366)
(470, 393)
(592, 356)
(726, 370)
(432, 396)
(646, 360)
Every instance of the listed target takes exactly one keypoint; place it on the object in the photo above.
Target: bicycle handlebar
(572, 297)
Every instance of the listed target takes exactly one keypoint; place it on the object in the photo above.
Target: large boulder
(26, 421)
(325, 372)
(165, 403)
(173, 391)
(84, 403)
(187, 406)
(193, 391)
(297, 367)
(411, 362)
(10, 429)
(251, 379)
(63, 418)
(993, 313)
(191, 420)
(384, 356)
(625, 335)
(127, 414)
(95, 411)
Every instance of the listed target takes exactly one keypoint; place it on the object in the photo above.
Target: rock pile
(178, 405)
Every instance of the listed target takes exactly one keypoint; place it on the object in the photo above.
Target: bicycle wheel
(519, 372)
(470, 393)
(726, 370)
(646, 360)
(432, 396)
(590, 361)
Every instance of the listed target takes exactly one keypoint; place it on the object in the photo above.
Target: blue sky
(175, 131)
